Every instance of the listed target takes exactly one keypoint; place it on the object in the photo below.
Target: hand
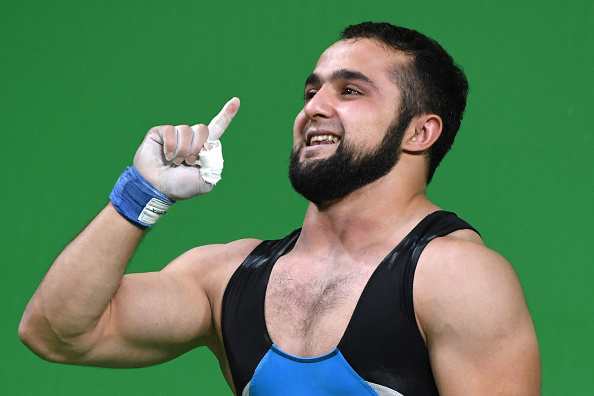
(168, 154)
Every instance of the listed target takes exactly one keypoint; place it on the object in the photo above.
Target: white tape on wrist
(211, 162)
(154, 209)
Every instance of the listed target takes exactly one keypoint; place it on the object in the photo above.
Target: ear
(422, 132)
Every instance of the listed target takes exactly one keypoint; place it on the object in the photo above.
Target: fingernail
(233, 104)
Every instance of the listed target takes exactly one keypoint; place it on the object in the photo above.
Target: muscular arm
(59, 320)
(472, 311)
(72, 317)
(87, 312)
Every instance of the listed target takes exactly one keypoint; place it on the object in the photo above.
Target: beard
(333, 178)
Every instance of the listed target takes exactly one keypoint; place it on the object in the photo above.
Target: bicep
(153, 317)
(504, 361)
(478, 328)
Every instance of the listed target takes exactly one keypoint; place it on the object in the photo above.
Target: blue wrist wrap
(137, 200)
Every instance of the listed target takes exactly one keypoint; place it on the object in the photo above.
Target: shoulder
(206, 270)
(458, 277)
(217, 254)
(471, 310)
(205, 265)
(460, 256)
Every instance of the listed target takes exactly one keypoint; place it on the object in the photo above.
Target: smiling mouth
(317, 140)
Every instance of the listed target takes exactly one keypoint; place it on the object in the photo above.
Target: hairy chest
(307, 310)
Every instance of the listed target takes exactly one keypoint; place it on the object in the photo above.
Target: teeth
(320, 138)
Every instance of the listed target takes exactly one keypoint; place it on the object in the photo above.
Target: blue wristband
(137, 200)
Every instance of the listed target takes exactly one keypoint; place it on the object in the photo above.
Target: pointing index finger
(219, 124)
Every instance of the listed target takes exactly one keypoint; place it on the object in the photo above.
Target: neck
(372, 217)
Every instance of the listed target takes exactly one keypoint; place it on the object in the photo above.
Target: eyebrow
(340, 74)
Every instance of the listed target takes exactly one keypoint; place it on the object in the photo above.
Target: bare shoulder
(460, 267)
(202, 274)
(458, 277)
(211, 265)
(472, 313)
(217, 254)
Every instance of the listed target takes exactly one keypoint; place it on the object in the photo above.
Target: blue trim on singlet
(280, 373)
(297, 359)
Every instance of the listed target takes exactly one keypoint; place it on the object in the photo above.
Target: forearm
(74, 295)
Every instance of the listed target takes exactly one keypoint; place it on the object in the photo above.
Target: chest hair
(307, 310)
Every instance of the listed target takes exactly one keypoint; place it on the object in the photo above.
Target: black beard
(335, 177)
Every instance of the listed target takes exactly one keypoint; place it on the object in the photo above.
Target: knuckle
(183, 128)
(199, 129)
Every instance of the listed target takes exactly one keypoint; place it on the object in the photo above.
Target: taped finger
(211, 162)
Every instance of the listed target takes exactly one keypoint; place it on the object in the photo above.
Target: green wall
(81, 83)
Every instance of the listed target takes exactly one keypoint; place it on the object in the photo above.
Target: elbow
(32, 340)
(31, 337)
(46, 346)
(27, 333)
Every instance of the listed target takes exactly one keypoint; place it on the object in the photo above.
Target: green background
(82, 82)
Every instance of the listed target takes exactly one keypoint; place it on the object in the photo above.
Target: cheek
(365, 126)
(299, 124)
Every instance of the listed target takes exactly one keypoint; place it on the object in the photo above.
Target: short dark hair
(431, 84)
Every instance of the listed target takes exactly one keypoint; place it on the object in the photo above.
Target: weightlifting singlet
(381, 351)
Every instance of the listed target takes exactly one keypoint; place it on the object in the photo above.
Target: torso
(309, 303)
(310, 298)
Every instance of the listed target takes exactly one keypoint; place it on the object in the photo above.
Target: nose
(320, 106)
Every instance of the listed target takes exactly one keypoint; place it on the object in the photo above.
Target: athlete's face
(347, 134)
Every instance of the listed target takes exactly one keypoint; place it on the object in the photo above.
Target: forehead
(370, 57)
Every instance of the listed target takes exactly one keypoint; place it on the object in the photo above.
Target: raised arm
(472, 311)
(86, 311)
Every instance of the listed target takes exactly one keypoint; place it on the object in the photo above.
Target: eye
(309, 94)
(350, 91)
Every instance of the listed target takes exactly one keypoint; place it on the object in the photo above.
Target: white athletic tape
(211, 162)
(154, 209)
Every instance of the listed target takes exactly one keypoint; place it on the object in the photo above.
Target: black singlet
(381, 343)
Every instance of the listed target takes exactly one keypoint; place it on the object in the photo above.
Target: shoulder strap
(435, 225)
(382, 342)
(243, 324)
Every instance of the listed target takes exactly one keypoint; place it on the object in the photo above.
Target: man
(381, 292)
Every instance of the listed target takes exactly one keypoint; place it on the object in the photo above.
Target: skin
(468, 301)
